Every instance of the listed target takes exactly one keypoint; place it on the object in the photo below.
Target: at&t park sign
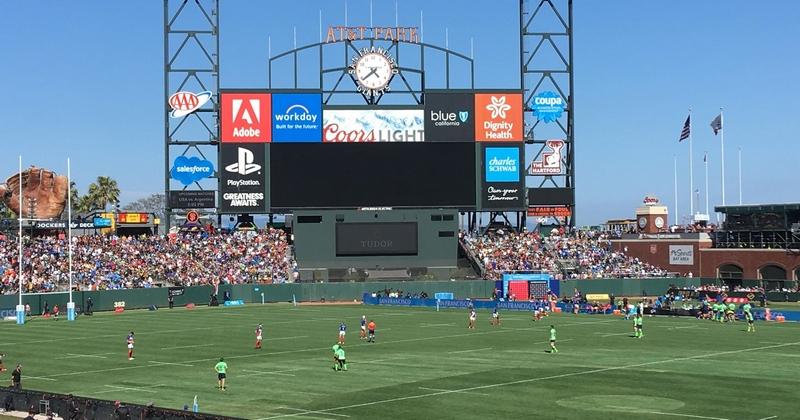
(378, 33)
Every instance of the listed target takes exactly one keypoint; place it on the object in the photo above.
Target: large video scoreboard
(284, 150)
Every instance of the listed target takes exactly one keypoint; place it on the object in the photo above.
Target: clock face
(659, 222)
(373, 70)
(642, 222)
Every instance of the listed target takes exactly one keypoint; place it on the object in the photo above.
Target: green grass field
(425, 364)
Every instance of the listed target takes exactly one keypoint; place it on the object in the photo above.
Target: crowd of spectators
(103, 262)
(566, 254)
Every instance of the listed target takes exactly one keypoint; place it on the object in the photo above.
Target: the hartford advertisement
(374, 125)
(502, 186)
(243, 178)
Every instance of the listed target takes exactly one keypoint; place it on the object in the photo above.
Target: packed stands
(110, 262)
(576, 254)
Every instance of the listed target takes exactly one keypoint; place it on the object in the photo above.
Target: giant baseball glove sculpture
(44, 194)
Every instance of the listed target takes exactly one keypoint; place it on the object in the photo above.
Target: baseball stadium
(372, 209)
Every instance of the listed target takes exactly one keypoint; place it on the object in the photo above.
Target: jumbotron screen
(364, 175)
(285, 150)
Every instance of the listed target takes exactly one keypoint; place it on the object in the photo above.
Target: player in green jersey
(340, 357)
(751, 327)
(553, 348)
(730, 312)
(221, 368)
(637, 322)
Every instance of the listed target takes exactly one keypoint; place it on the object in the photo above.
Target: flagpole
(691, 169)
(740, 176)
(705, 161)
(722, 151)
(20, 307)
(21, 210)
(675, 186)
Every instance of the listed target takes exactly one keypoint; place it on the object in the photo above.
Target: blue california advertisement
(548, 106)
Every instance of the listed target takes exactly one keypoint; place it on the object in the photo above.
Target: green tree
(104, 191)
(154, 203)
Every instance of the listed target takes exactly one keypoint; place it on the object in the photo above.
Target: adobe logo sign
(498, 117)
(245, 117)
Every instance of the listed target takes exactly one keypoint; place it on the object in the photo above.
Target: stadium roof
(753, 208)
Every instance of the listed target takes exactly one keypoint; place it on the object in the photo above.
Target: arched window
(772, 272)
(729, 271)
(797, 274)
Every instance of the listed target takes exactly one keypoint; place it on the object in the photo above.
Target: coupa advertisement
(502, 185)
(243, 178)
(372, 126)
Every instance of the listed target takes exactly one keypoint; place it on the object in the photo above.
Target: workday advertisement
(502, 185)
(296, 117)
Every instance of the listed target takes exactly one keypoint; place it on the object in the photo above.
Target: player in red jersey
(259, 331)
(130, 346)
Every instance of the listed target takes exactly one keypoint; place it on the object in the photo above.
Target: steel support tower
(546, 65)
(191, 63)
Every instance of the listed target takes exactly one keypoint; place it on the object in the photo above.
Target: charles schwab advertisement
(502, 183)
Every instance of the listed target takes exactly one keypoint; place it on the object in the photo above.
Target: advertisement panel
(551, 196)
(373, 126)
(502, 186)
(450, 117)
(498, 117)
(245, 117)
(548, 106)
(192, 199)
(391, 238)
(188, 170)
(551, 160)
(296, 117)
(549, 211)
(243, 178)
(681, 255)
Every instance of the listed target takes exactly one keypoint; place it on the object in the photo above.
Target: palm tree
(106, 191)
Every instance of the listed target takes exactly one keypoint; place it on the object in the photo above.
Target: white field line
(768, 418)
(300, 409)
(187, 347)
(246, 356)
(638, 410)
(468, 351)
(155, 362)
(268, 339)
(75, 356)
(464, 392)
(38, 377)
(129, 388)
(541, 378)
(260, 372)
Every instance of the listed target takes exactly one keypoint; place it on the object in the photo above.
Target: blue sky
(84, 80)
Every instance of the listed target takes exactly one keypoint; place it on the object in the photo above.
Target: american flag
(686, 129)
(716, 124)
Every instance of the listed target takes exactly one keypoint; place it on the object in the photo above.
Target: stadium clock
(642, 222)
(659, 222)
(373, 69)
